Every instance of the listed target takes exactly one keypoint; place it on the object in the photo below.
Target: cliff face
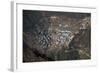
(54, 36)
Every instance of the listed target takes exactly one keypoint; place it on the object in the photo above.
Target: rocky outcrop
(54, 36)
